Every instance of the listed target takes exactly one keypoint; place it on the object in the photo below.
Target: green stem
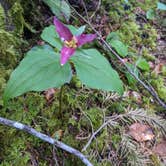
(60, 101)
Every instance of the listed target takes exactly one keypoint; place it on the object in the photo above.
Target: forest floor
(134, 127)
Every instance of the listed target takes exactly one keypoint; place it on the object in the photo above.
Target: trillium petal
(63, 32)
(85, 38)
(66, 53)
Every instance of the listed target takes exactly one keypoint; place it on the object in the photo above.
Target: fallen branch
(107, 45)
(45, 138)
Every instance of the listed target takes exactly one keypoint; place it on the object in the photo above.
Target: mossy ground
(83, 109)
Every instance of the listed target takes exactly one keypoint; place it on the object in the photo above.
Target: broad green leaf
(130, 78)
(65, 9)
(55, 6)
(94, 71)
(80, 30)
(150, 14)
(126, 1)
(76, 31)
(50, 35)
(143, 64)
(121, 49)
(112, 36)
(38, 71)
(161, 6)
(42, 47)
(59, 8)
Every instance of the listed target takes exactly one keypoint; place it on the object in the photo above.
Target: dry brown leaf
(158, 68)
(160, 149)
(49, 94)
(141, 132)
(139, 10)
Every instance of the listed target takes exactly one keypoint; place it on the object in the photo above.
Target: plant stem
(60, 101)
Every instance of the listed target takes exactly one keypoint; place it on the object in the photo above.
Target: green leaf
(94, 71)
(161, 6)
(143, 64)
(112, 36)
(150, 14)
(59, 8)
(130, 78)
(121, 49)
(65, 9)
(76, 31)
(126, 1)
(50, 35)
(38, 71)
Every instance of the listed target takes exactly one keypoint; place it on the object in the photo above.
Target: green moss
(131, 30)
(17, 154)
(159, 85)
(2, 17)
(95, 116)
(75, 82)
(81, 107)
(150, 40)
(116, 107)
(16, 12)
(144, 5)
(156, 160)
(146, 54)
(163, 70)
(8, 50)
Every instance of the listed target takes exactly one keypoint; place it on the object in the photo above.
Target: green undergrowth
(130, 25)
(83, 110)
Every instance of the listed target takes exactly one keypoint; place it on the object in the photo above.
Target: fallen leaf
(58, 134)
(141, 132)
(49, 94)
(158, 68)
(160, 148)
(138, 10)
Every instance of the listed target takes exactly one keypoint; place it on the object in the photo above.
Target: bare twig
(107, 45)
(97, 8)
(45, 138)
(55, 156)
(86, 12)
(98, 130)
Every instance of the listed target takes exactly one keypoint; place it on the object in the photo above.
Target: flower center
(72, 43)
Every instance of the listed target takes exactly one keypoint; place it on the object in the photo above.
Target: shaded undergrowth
(84, 110)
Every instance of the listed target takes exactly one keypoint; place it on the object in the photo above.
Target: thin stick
(97, 8)
(86, 12)
(107, 45)
(45, 138)
(97, 131)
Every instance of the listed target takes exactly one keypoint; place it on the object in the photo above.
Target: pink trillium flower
(71, 42)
